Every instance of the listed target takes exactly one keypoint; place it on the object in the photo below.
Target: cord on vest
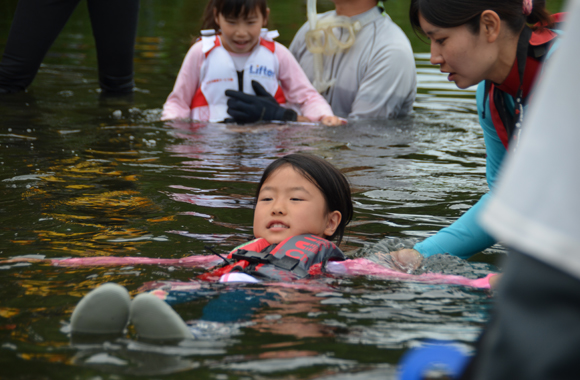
(217, 254)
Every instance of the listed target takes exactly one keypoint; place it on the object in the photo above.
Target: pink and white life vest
(218, 74)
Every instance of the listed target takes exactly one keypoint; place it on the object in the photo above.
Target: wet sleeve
(298, 89)
(389, 80)
(178, 103)
(466, 236)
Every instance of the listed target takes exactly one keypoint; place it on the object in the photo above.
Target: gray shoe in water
(156, 320)
(105, 310)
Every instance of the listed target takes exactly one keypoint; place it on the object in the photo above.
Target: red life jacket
(533, 47)
(287, 261)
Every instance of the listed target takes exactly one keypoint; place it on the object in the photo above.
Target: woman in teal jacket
(490, 43)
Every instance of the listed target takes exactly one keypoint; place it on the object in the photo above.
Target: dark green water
(85, 177)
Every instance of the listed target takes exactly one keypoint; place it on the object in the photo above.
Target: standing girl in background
(501, 45)
(237, 57)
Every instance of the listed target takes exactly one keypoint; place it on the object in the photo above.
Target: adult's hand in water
(245, 108)
(494, 280)
(406, 260)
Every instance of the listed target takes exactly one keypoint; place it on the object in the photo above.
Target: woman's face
(468, 58)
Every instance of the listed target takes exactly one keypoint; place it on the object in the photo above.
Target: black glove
(246, 108)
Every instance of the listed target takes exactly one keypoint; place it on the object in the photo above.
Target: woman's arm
(463, 238)
(466, 236)
(178, 104)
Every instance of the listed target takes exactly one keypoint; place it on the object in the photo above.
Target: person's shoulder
(385, 24)
(386, 37)
(281, 48)
(194, 55)
(285, 57)
(326, 14)
(196, 48)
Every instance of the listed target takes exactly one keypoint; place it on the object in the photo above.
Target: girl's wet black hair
(231, 8)
(328, 179)
(452, 13)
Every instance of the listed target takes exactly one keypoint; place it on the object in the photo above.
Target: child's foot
(104, 310)
(156, 320)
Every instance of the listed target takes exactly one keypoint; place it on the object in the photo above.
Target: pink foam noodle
(355, 267)
(201, 261)
(362, 267)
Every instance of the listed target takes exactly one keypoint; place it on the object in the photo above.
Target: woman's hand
(494, 281)
(406, 260)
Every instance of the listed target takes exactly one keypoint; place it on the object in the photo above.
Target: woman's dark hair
(231, 8)
(328, 179)
(452, 13)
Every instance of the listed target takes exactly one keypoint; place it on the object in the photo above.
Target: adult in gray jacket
(376, 76)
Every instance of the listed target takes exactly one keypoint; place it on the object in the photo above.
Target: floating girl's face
(288, 205)
(240, 34)
(468, 58)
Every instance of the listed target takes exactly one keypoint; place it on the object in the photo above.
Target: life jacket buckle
(252, 257)
(287, 263)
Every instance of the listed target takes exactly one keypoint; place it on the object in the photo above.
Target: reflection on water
(86, 176)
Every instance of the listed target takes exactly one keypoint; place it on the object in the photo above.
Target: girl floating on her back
(302, 203)
(237, 58)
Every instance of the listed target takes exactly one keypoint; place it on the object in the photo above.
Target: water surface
(85, 176)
